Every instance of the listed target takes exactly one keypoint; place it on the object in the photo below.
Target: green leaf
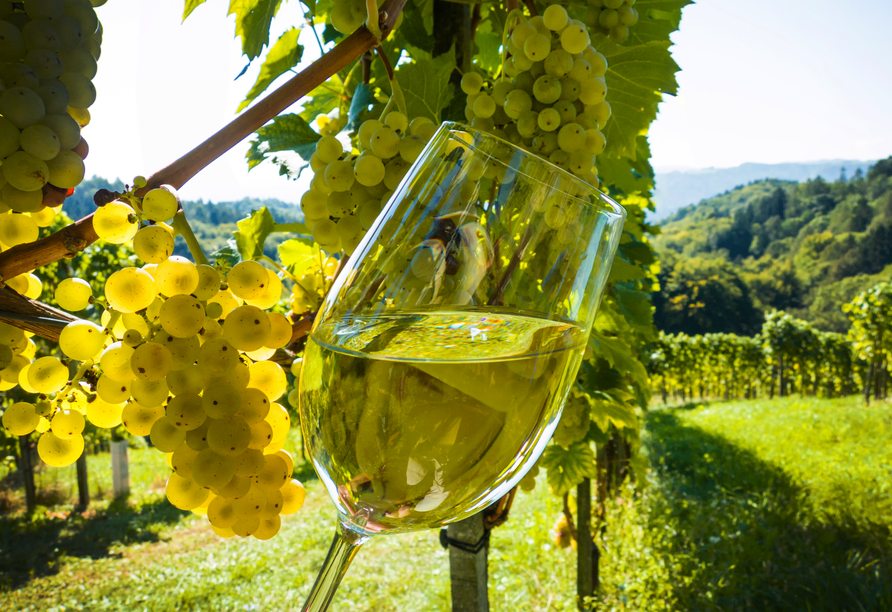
(191, 5)
(226, 257)
(252, 233)
(657, 20)
(636, 307)
(286, 133)
(252, 21)
(282, 57)
(636, 79)
(617, 173)
(620, 355)
(425, 84)
(299, 256)
(418, 25)
(605, 412)
(320, 101)
(362, 98)
(568, 467)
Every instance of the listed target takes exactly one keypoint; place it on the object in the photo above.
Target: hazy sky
(761, 81)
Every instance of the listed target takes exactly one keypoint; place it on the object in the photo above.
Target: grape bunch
(180, 357)
(550, 98)
(613, 18)
(48, 53)
(349, 189)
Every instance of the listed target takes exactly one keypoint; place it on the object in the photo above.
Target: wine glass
(439, 363)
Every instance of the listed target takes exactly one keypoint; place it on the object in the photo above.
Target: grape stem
(397, 93)
(182, 227)
(74, 238)
(114, 316)
(372, 22)
(85, 367)
(281, 269)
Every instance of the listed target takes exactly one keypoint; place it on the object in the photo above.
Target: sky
(765, 81)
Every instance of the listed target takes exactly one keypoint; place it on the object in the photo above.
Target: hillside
(212, 223)
(678, 189)
(803, 247)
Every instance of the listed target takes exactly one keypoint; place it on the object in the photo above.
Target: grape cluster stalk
(48, 53)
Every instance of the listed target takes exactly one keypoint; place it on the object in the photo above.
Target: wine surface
(420, 418)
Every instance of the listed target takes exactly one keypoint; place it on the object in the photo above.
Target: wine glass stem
(344, 547)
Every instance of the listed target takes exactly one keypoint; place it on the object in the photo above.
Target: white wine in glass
(437, 368)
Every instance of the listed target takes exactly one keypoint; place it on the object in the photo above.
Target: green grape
(12, 46)
(10, 137)
(132, 337)
(313, 201)
(280, 330)
(113, 391)
(46, 64)
(22, 106)
(293, 494)
(150, 392)
(19, 74)
(183, 351)
(153, 243)
(522, 32)
(558, 63)
(197, 438)
(160, 204)
(221, 512)
(350, 232)
(560, 158)
(20, 419)
(6, 356)
(517, 103)
(79, 61)
(246, 526)
(208, 282)
(274, 474)
(217, 357)
(57, 452)
(566, 110)
(66, 424)
(628, 16)
(250, 461)
(151, 361)
(66, 169)
(394, 172)
(185, 493)
(17, 229)
(484, 106)
(247, 279)
(272, 293)
(574, 39)
(368, 170)
(176, 276)
(211, 470)
(138, 419)
(181, 460)
(82, 340)
(339, 174)
(547, 89)
(25, 172)
(130, 290)
(397, 121)
(221, 399)
(595, 142)
(385, 143)
(608, 18)
(580, 71)
(115, 362)
(44, 9)
(230, 437)
(344, 19)
(471, 83)
(601, 112)
(40, 141)
(182, 316)
(81, 91)
(545, 144)
(71, 35)
(366, 131)
(596, 60)
(329, 149)
(236, 487)
(537, 47)
(115, 222)
(593, 91)
(549, 120)
(66, 128)
(368, 212)
(47, 375)
(247, 328)
(185, 380)
(268, 377)
(253, 502)
(325, 233)
(186, 411)
(555, 17)
(571, 137)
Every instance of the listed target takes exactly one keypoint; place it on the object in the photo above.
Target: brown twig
(366, 67)
(74, 238)
(568, 514)
(43, 320)
(475, 20)
(531, 7)
(386, 61)
(496, 515)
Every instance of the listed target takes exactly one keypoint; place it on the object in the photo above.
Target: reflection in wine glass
(438, 365)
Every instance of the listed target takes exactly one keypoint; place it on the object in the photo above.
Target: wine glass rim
(609, 205)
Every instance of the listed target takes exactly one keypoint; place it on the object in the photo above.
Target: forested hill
(678, 189)
(212, 223)
(806, 248)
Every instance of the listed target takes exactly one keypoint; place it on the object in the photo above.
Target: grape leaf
(286, 133)
(418, 25)
(636, 78)
(657, 19)
(282, 57)
(252, 21)
(252, 232)
(226, 257)
(620, 355)
(568, 467)
(636, 307)
(299, 256)
(605, 412)
(425, 84)
(191, 5)
(362, 98)
(488, 41)
(321, 100)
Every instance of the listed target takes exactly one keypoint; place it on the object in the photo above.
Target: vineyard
(179, 388)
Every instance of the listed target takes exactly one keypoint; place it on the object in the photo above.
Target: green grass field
(768, 505)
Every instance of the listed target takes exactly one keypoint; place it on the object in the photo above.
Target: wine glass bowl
(438, 365)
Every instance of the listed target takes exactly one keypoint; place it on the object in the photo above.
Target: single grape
(22, 106)
(25, 171)
(17, 229)
(593, 91)
(115, 222)
(217, 357)
(555, 17)
(20, 419)
(385, 143)
(67, 424)
(366, 131)
(152, 244)
(40, 141)
(185, 493)
(176, 276)
(471, 83)
(130, 289)
(574, 39)
(82, 340)
(397, 121)
(160, 204)
(66, 169)
(247, 328)
(537, 47)
(329, 149)
(549, 120)
(58, 452)
(248, 279)
(66, 128)
(229, 436)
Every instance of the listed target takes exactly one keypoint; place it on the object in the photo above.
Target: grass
(769, 505)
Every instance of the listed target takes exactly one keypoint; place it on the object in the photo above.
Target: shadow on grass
(748, 531)
(32, 547)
